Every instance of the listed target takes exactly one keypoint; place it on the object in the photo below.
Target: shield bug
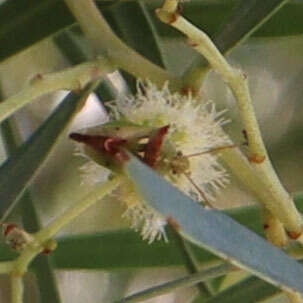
(105, 144)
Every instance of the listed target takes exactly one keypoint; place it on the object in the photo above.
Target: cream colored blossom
(194, 127)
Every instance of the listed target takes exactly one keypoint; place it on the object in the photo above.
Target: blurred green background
(274, 66)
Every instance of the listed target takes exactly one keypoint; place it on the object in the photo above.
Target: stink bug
(105, 144)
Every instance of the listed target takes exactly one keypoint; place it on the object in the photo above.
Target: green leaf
(105, 251)
(211, 15)
(45, 18)
(247, 17)
(170, 286)
(133, 23)
(85, 251)
(18, 170)
(190, 262)
(73, 49)
(6, 254)
(214, 231)
(134, 30)
(42, 265)
(250, 290)
(25, 22)
(118, 250)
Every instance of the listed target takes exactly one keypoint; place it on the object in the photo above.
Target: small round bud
(15, 237)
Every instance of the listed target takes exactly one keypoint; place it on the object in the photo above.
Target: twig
(105, 42)
(279, 202)
(70, 79)
(17, 288)
(98, 193)
(274, 230)
(42, 239)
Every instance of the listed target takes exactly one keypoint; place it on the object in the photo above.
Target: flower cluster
(192, 128)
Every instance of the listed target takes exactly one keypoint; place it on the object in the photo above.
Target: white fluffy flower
(194, 128)
(150, 224)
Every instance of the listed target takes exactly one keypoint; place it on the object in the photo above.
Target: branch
(42, 239)
(94, 196)
(17, 289)
(105, 42)
(74, 78)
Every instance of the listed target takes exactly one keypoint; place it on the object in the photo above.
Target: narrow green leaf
(179, 283)
(103, 251)
(42, 265)
(245, 20)
(45, 18)
(20, 167)
(214, 231)
(72, 250)
(247, 17)
(133, 23)
(210, 15)
(25, 22)
(250, 290)
(285, 22)
(73, 49)
(6, 254)
(191, 262)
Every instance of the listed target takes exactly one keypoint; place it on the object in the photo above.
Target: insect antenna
(213, 150)
(198, 189)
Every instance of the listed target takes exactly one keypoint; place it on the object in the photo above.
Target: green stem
(42, 266)
(45, 275)
(94, 196)
(246, 19)
(274, 229)
(6, 267)
(279, 203)
(74, 78)
(294, 297)
(42, 237)
(17, 289)
(108, 44)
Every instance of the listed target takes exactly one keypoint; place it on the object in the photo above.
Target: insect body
(106, 145)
